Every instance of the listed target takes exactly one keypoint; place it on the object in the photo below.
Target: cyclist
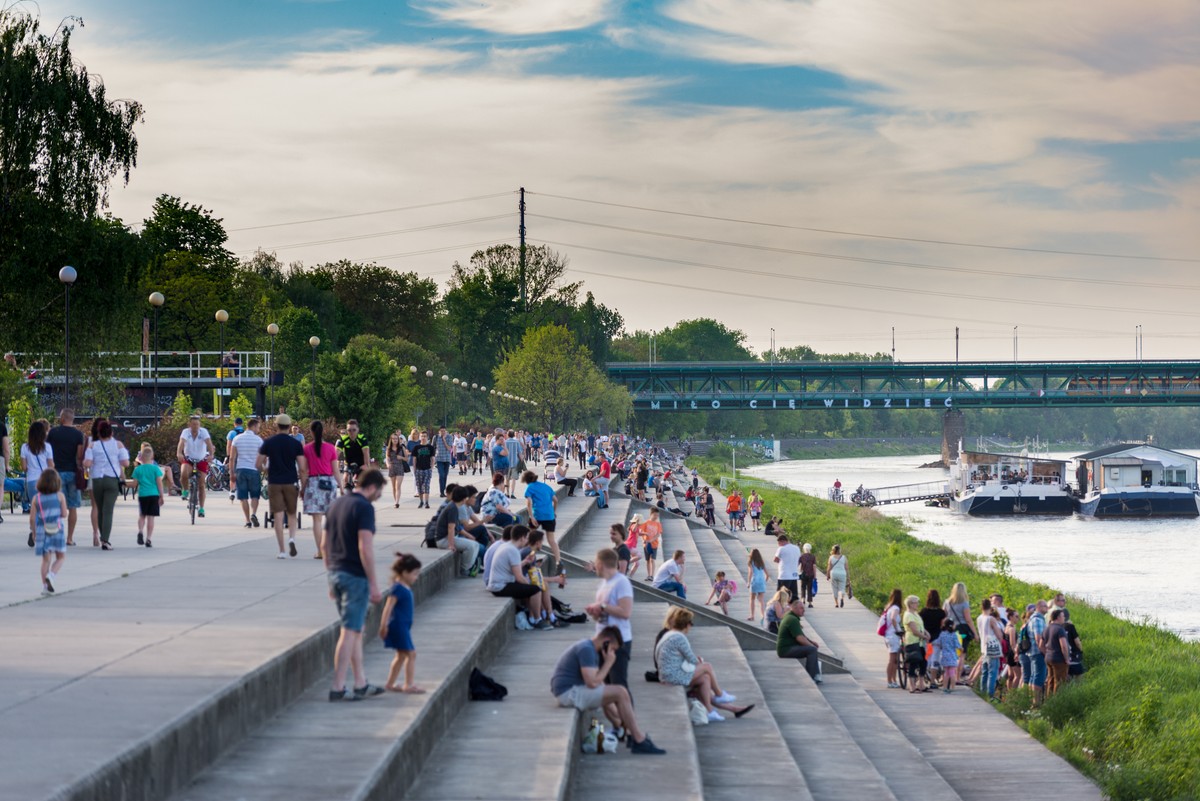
(353, 452)
(195, 447)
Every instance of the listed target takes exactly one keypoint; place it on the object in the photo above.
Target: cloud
(520, 16)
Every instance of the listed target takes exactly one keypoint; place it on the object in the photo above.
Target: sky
(824, 171)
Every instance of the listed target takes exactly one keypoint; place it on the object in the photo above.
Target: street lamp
(412, 369)
(156, 300)
(67, 276)
(429, 374)
(272, 332)
(222, 317)
(312, 390)
(445, 383)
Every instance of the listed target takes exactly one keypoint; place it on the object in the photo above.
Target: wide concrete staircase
(267, 731)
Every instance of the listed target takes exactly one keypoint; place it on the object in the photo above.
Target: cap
(194, 417)
(283, 421)
(237, 421)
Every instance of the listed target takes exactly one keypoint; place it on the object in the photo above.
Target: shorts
(650, 551)
(73, 496)
(462, 457)
(283, 498)
(515, 589)
(547, 525)
(351, 594)
(755, 515)
(249, 484)
(582, 697)
(317, 500)
(892, 640)
(148, 505)
(201, 465)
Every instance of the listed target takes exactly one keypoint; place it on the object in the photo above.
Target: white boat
(1002, 484)
(1137, 480)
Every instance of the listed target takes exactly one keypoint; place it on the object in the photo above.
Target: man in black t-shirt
(348, 545)
(283, 458)
(352, 450)
(66, 441)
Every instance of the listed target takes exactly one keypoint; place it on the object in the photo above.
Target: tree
(362, 384)
(175, 226)
(293, 354)
(556, 372)
(370, 298)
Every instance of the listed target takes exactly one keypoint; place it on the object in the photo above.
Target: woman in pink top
(323, 480)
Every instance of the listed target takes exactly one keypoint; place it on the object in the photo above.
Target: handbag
(652, 676)
(697, 713)
(81, 480)
(993, 648)
(325, 483)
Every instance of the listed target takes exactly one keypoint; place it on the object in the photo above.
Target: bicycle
(193, 490)
(352, 471)
(218, 477)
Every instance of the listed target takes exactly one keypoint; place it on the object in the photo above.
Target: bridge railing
(247, 367)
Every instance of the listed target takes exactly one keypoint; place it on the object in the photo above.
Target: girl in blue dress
(756, 577)
(45, 521)
(396, 628)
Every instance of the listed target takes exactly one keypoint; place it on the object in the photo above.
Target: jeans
(443, 469)
(806, 588)
(675, 587)
(1037, 669)
(104, 495)
(503, 519)
(989, 674)
(468, 549)
(807, 653)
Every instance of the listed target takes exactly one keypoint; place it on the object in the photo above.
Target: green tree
(293, 354)
(363, 384)
(20, 417)
(175, 226)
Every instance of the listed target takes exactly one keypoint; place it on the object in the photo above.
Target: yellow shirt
(912, 617)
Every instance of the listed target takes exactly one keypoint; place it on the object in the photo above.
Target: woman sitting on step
(679, 665)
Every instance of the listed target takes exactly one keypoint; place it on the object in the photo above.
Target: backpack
(485, 688)
(431, 532)
(1024, 642)
(883, 625)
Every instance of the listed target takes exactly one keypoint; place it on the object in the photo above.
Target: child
(148, 479)
(756, 506)
(946, 650)
(396, 629)
(50, 539)
(533, 572)
(651, 532)
(723, 590)
(630, 543)
(756, 577)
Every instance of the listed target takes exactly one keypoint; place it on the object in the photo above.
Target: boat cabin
(976, 468)
(1135, 465)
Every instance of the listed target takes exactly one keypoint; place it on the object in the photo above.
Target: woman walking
(397, 462)
(37, 456)
(324, 477)
(106, 462)
(95, 513)
(422, 464)
(756, 580)
(835, 571)
(45, 520)
(891, 635)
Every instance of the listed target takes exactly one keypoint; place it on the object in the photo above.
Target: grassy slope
(1132, 722)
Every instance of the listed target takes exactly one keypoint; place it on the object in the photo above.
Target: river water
(1139, 569)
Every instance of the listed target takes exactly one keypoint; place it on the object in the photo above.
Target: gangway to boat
(899, 493)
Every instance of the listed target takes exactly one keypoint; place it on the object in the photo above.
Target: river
(1139, 569)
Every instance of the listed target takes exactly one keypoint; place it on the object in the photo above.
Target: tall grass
(1132, 722)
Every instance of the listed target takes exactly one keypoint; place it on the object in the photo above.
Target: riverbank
(1131, 722)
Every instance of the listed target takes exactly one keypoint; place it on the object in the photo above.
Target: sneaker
(559, 623)
(200, 511)
(337, 695)
(184, 493)
(892, 685)
(247, 525)
(724, 698)
(368, 691)
(149, 544)
(292, 547)
(543, 625)
(141, 539)
(817, 678)
(254, 520)
(48, 585)
(646, 746)
(715, 717)
(282, 555)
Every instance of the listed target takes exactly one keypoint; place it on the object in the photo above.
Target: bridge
(688, 386)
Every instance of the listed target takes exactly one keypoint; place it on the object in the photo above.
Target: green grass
(1132, 722)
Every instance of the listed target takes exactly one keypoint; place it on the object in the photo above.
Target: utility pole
(956, 344)
(521, 231)
(893, 344)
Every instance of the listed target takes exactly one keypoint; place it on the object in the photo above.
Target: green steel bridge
(687, 386)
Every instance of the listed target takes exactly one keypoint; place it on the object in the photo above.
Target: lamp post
(67, 276)
(312, 389)
(156, 300)
(272, 332)
(445, 383)
(222, 317)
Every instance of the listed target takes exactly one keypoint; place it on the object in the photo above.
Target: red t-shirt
(605, 470)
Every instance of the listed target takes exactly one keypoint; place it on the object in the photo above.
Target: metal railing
(252, 367)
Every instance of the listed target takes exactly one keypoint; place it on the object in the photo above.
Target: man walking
(792, 642)
(445, 454)
(243, 464)
(66, 442)
(787, 556)
(283, 458)
(348, 545)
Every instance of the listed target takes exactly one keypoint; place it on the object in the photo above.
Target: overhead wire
(372, 213)
(380, 234)
(865, 235)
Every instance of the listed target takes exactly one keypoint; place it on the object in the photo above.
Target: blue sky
(933, 126)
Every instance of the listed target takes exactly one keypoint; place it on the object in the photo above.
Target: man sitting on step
(669, 577)
(578, 681)
(792, 642)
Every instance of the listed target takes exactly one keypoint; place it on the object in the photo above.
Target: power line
(870, 260)
(880, 287)
(336, 240)
(426, 252)
(371, 213)
(871, 236)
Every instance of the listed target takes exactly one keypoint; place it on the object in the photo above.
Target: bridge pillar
(954, 429)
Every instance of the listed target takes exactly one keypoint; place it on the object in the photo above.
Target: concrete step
(833, 763)
(744, 757)
(316, 750)
(676, 536)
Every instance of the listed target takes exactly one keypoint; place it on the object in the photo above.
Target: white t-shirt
(36, 463)
(106, 456)
(195, 448)
(247, 444)
(610, 593)
(460, 444)
(668, 572)
(789, 561)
